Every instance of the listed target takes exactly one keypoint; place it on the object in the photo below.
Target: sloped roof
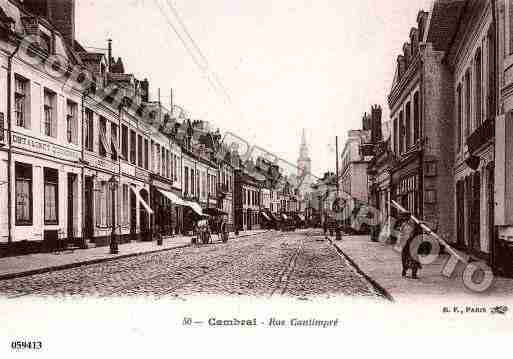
(443, 23)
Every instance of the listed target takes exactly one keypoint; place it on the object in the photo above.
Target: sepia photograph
(287, 177)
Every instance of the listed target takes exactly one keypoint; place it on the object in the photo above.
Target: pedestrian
(410, 255)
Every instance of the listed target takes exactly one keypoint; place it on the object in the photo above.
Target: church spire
(303, 149)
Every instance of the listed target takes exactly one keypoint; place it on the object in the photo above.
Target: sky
(263, 70)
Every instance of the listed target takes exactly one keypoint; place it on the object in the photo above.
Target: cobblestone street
(298, 264)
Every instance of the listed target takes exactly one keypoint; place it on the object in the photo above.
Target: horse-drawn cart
(214, 222)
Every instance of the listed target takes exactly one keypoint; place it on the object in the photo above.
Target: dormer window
(45, 42)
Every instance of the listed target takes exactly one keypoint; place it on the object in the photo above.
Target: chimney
(401, 66)
(60, 13)
(109, 54)
(414, 40)
(366, 123)
(376, 132)
(145, 89)
(422, 17)
(407, 54)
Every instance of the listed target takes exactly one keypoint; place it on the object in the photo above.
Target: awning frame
(141, 200)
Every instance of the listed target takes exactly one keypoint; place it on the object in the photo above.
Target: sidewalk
(381, 263)
(11, 267)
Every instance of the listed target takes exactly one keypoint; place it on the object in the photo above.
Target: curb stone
(96, 261)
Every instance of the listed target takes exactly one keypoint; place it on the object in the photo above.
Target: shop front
(167, 205)
(46, 197)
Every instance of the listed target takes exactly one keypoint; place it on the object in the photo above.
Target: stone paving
(295, 264)
(383, 264)
(40, 262)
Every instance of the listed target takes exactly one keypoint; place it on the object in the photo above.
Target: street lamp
(113, 184)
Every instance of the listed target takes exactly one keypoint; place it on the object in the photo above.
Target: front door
(476, 213)
(71, 203)
(88, 210)
(133, 216)
(491, 206)
(460, 213)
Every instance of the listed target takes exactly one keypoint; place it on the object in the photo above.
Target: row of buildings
(86, 154)
(447, 155)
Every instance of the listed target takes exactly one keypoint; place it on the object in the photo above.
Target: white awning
(172, 197)
(195, 207)
(141, 200)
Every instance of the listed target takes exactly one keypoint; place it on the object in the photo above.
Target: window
(197, 183)
(192, 182)
(21, 101)
(186, 181)
(88, 130)
(157, 158)
(401, 132)
(467, 103)
(478, 84)
(103, 139)
(396, 145)
(146, 153)
(510, 18)
(408, 126)
(23, 198)
(163, 161)
(71, 121)
(430, 196)
(114, 145)
(175, 164)
(132, 147)
(491, 73)
(139, 151)
(45, 42)
(49, 115)
(459, 123)
(416, 117)
(126, 208)
(103, 205)
(124, 141)
(167, 164)
(51, 199)
(430, 169)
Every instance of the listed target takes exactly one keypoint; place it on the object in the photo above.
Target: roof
(444, 22)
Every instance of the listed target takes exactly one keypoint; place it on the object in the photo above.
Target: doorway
(133, 216)
(88, 207)
(71, 206)
(143, 217)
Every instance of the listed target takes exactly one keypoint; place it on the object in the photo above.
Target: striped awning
(141, 200)
(172, 197)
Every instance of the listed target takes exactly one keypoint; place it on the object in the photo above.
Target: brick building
(421, 137)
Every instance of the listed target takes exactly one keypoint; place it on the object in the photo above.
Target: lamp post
(113, 183)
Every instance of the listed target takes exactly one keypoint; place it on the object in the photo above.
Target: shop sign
(127, 169)
(100, 163)
(46, 148)
(142, 175)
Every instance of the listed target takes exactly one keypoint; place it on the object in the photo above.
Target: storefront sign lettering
(45, 148)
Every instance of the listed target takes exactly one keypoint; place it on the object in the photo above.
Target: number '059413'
(26, 345)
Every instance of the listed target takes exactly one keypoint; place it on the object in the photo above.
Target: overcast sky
(284, 65)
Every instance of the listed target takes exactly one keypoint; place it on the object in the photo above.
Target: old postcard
(247, 178)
